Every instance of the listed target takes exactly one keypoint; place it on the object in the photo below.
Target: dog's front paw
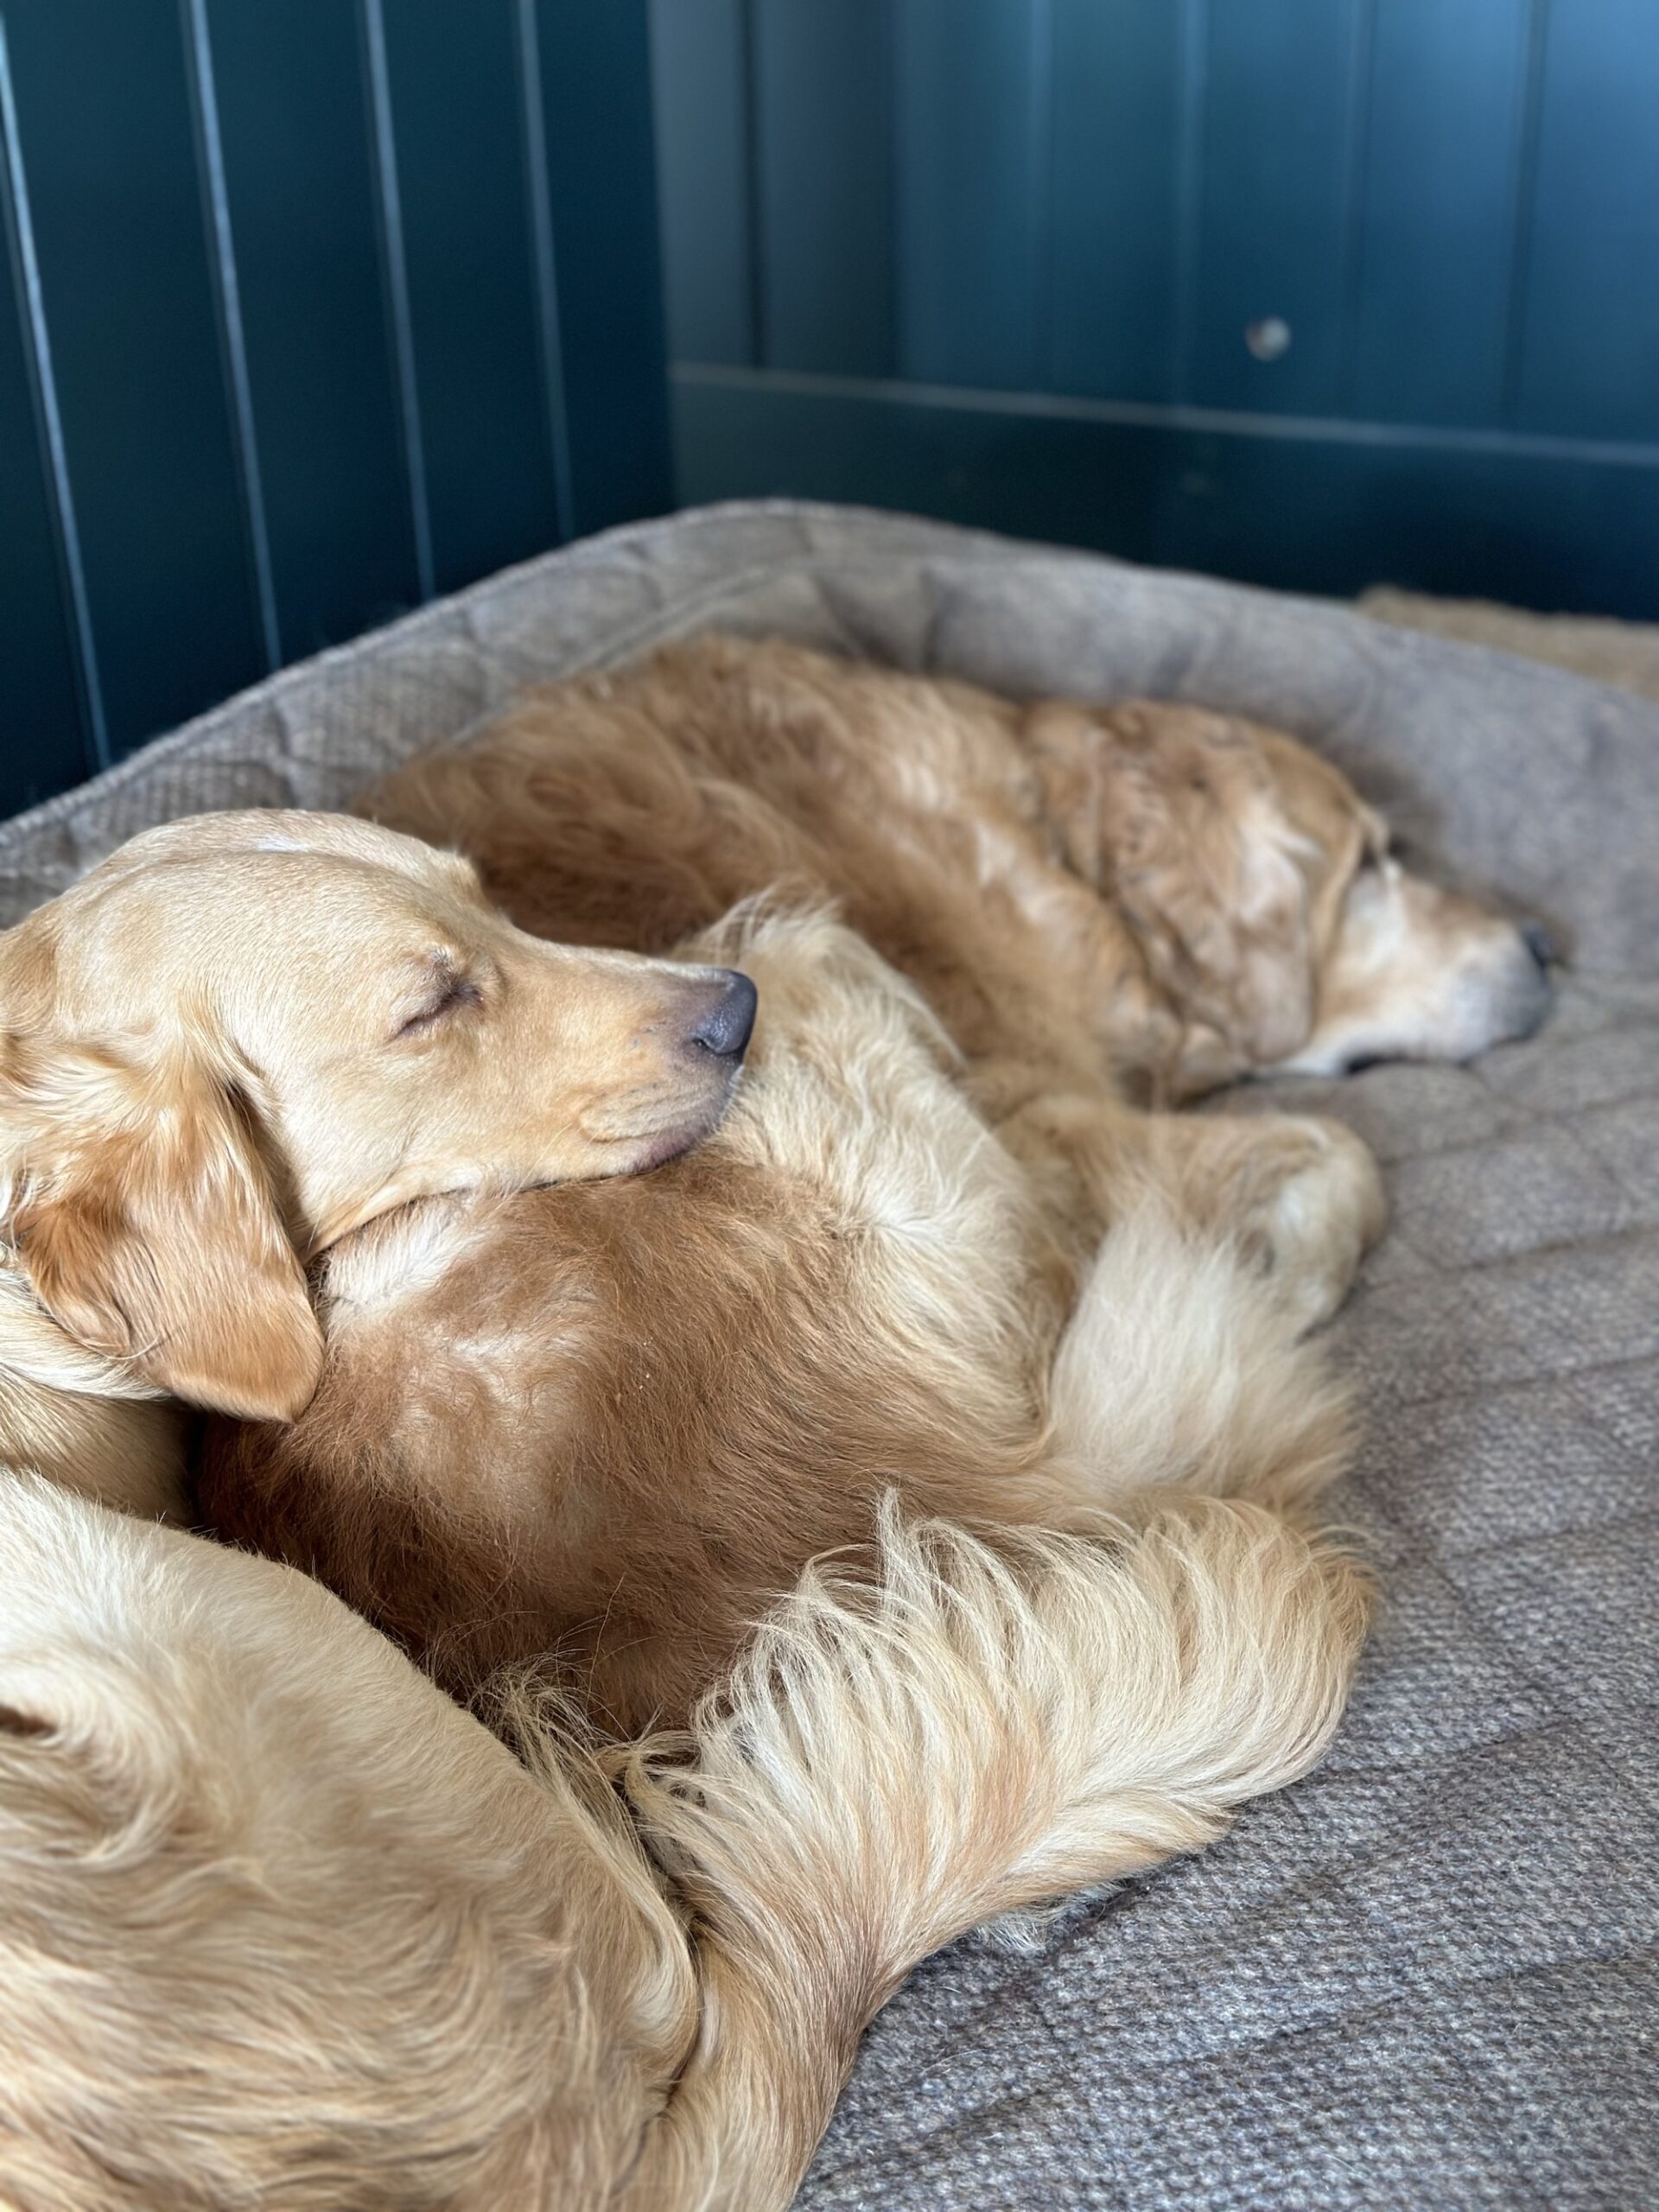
(1314, 1219)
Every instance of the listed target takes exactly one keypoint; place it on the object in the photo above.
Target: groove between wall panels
(48, 420)
(900, 212)
(901, 103)
(1355, 181)
(543, 253)
(1518, 287)
(1040, 190)
(210, 151)
(1188, 156)
(755, 211)
(394, 271)
(1320, 430)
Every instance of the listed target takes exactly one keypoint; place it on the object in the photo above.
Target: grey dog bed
(1425, 1977)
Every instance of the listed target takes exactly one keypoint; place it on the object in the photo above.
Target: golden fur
(610, 1424)
(930, 1263)
(1084, 894)
(283, 1926)
(184, 1116)
(684, 1389)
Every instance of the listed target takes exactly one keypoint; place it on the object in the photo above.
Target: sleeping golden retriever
(683, 1389)
(297, 1127)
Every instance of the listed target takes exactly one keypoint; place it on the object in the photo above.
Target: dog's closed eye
(451, 992)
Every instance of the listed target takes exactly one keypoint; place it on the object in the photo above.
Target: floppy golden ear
(1221, 909)
(1171, 813)
(147, 1223)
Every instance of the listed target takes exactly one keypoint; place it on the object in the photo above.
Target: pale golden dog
(347, 1951)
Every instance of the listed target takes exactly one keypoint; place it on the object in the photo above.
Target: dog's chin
(1501, 1008)
(660, 1150)
(1523, 1006)
(1478, 1018)
(663, 1145)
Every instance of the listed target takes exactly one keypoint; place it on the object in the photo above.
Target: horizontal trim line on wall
(1135, 414)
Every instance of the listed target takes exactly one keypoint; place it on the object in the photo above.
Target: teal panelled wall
(1011, 261)
(312, 309)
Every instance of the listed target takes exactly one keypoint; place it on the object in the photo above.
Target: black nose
(1539, 942)
(726, 1028)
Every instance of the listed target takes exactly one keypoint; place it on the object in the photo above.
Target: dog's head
(245, 1034)
(1272, 914)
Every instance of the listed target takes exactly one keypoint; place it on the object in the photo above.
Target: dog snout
(724, 1028)
(1529, 987)
(1540, 943)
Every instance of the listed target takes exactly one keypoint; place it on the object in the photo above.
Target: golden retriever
(684, 1389)
(1142, 895)
(172, 1111)
(929, 1252)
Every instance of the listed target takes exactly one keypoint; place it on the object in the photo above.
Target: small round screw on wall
(1268, 337)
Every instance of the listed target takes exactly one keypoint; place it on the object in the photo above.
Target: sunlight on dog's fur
(294, 1126)
(608, 1424)
(238, 1039)
(1143, 891)
(282, 1926)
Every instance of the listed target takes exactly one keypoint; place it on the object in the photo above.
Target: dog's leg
(1299, 1196)
(1177, 1369)
(980, 1732)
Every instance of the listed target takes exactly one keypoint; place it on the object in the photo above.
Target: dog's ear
(1172, 814)
(145, 1219)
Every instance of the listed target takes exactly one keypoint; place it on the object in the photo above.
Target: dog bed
(1426, 1976)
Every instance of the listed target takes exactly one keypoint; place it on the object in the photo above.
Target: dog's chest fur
(549, 1418)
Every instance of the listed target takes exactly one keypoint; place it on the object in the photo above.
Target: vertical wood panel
(970, 160)
(109, 155)
(823, 79)
(700, 69)
(458, 126)
(601, 178)
(294, 120)
(1279, 119)
(1437, 211)
(42, 744)
(1589, 357)
(394, 271)
(1117, 253)
(210, 154)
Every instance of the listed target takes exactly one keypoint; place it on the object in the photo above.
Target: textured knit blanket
(1426, 1976)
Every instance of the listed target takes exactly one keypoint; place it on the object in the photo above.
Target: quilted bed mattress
(1427, 1975)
